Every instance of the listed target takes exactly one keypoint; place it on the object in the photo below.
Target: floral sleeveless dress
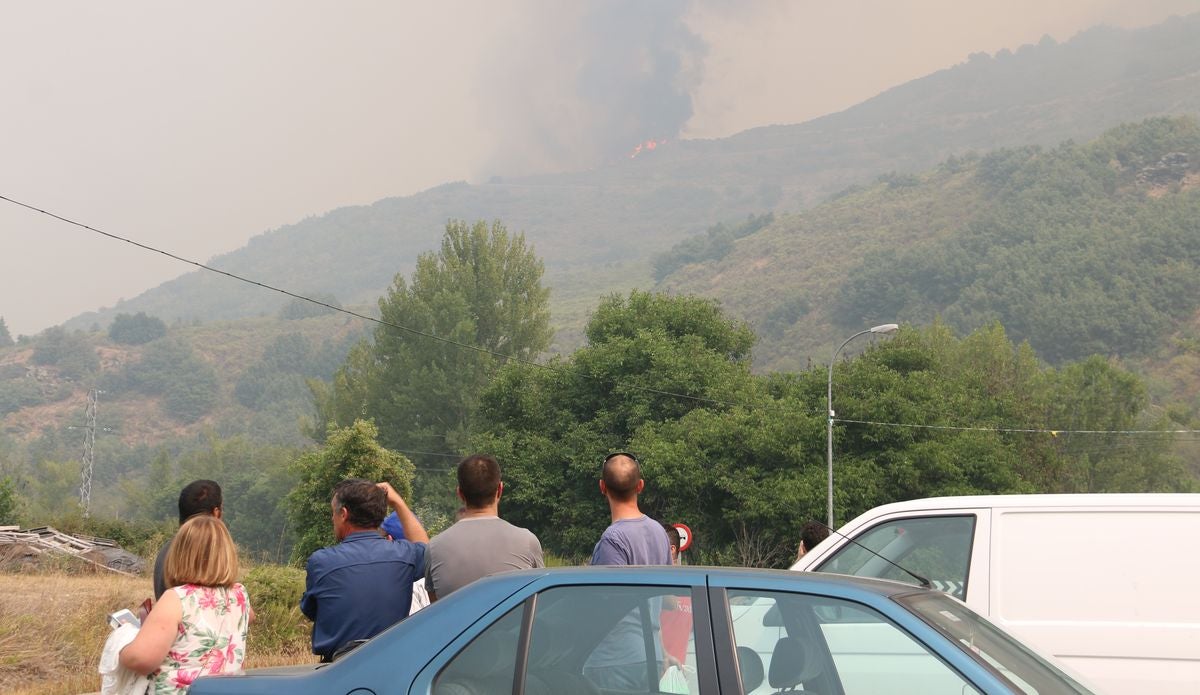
(212, 637)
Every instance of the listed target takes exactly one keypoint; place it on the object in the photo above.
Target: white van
(1109, 584)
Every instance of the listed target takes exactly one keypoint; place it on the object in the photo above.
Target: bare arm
(146, 652)
(413, 530)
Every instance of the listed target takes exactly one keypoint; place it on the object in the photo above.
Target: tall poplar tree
(481, 290)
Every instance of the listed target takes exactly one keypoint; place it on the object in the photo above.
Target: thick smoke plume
(583, 84)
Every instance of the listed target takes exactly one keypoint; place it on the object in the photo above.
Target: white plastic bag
(674, 681)
(115, 679)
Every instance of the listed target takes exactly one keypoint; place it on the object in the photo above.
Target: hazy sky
(194, 126)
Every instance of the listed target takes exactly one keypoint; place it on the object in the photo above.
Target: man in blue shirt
(633, 538)
(619, 661)
(363, 585)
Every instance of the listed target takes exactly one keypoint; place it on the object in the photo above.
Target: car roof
(1157, 500)
(822, 582)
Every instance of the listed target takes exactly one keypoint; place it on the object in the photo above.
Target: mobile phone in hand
(144, 609)
(123, 617)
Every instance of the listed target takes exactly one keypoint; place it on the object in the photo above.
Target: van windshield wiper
(925, 583)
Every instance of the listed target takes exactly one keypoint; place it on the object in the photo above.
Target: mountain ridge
(1080, 249)
(606, 222)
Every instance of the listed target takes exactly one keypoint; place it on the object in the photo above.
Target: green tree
(53, 487)
(741, 458)
(349, 452)
(985, 407)
(171, 368)
(136, 329)
(9, 502)
(1097, 394)
(72, 353)
(481, 289)
(19, 393)
(345, 399)
(278, 375)
(551, 428)
(5, 337)
(255, 479)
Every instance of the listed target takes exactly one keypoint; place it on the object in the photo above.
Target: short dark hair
(812, 533)
(365, 501)
(198, 497)
(478, 478)
(672, 535)
(621, 474)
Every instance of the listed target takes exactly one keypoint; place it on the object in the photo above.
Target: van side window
(935, 547)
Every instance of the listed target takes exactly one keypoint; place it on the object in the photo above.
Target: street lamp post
(882, 329)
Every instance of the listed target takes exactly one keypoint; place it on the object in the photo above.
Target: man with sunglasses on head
(619, 661)
(632, 538)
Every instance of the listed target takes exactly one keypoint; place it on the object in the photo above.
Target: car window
(1021, 666)
(584, 639)
(487, 664)
(819, 644)
(629, 639)
(937, 548)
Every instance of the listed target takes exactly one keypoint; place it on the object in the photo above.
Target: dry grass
(53, 626)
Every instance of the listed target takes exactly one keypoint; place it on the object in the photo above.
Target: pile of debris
(27, 548)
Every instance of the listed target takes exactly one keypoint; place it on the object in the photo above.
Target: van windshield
(937, 547)
(991, 646)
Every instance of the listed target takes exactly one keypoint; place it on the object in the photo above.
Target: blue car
(610, 630)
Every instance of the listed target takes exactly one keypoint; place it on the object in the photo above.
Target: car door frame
(948, 651)
(706, 669)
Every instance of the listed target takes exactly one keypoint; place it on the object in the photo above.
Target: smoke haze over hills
(594, 80)
(195, 130)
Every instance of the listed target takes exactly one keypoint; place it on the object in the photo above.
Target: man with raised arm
(363, 585)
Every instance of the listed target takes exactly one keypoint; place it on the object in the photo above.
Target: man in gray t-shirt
(619, 661)
(480, 543)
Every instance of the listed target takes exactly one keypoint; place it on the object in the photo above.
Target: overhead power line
(539, 365)
(1027, 430)
(318, 302)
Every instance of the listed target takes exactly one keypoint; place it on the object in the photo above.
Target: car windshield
(1016, 663)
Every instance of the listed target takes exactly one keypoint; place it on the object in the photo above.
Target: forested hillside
(991, 227)
(165, 393)
(597, 229)
(1084, 248)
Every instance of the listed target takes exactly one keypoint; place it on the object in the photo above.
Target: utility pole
(89, 454)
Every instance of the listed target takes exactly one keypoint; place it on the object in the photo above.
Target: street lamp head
(883, 328)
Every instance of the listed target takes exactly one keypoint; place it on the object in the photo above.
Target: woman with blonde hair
(198, 627)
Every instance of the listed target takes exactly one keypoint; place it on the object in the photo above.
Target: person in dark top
(812, 533)
(363, 585)
(198, 497)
